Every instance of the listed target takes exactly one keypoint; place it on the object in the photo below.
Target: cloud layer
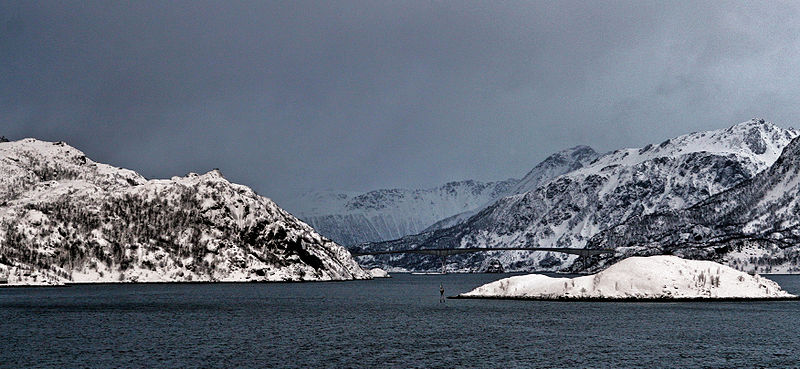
(299, 95)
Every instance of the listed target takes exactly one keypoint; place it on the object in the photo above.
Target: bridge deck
(445, 252)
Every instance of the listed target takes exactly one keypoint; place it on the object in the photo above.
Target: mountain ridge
(568, 210)
(352, 217)
(65, 218)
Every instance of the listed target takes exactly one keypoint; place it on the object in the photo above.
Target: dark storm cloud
(292, 96)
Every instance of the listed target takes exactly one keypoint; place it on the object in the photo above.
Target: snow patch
(379, 273)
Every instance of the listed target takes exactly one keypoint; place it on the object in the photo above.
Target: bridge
(443, 253)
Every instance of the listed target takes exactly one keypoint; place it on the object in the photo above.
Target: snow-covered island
(379, 273)
(639, 278)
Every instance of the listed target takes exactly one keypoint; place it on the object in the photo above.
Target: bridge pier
(444, 263)
(582, 260)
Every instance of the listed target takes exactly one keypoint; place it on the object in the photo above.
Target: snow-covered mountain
(754, 226)
(562, 162)
(570, 209)
(351, 218)
(66, 218)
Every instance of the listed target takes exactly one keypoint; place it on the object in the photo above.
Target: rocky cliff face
(65, 218)
(569, 209)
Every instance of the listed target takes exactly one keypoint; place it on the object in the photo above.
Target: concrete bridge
(443, 253)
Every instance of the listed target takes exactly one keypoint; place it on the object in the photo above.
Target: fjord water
(395, 322)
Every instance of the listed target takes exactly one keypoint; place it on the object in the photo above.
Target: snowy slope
(568, 210)
(654, 277)
(66, 218)
(562, 162)
(754, 226)
(350, 218)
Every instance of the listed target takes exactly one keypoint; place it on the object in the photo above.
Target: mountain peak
(575, 150)
(756, 122)
(573, 154)
(214, 173)
(559, 163)
(579, 148)
(759, 124)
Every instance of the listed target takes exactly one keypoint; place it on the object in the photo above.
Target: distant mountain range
(65, 218)
(351, 218)
(562, 162)
(567, 210)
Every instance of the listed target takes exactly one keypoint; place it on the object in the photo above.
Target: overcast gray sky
(290, 96)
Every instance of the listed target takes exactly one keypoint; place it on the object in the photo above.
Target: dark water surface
(395, 322)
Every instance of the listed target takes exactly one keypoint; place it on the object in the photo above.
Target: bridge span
(443, 253)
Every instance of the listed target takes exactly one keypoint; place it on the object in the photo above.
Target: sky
(295, 96)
